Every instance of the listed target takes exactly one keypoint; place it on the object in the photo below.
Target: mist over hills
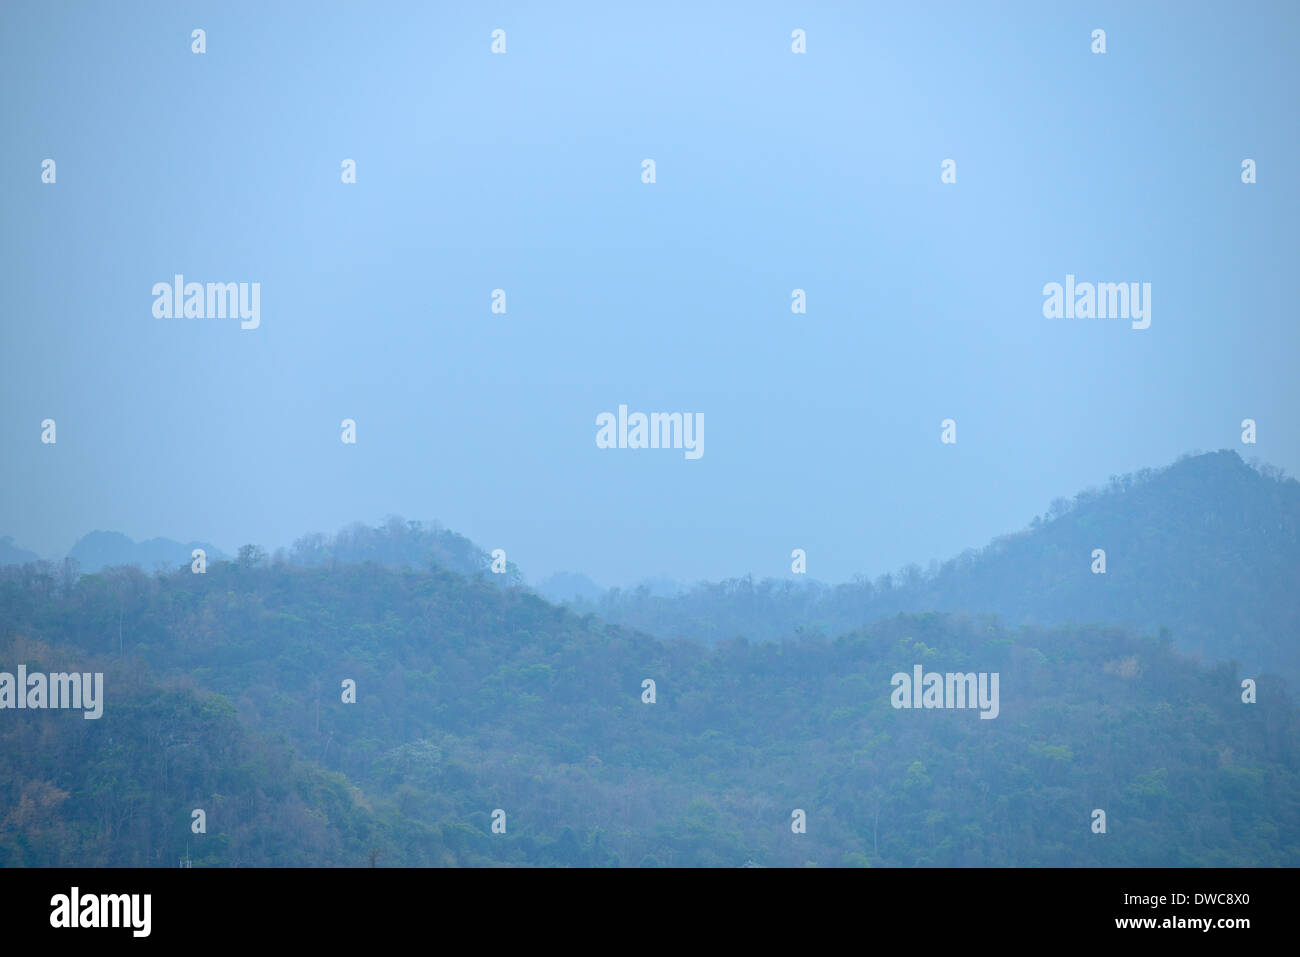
(396, 543)
(11, 554)
(564, 587)
(100, 550)
(911, 273)
(473, 693)
(1208, 547)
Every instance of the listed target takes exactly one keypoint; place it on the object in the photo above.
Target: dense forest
(1208, 547)
(223, 692)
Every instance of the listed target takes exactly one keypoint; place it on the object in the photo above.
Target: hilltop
(1208, 548)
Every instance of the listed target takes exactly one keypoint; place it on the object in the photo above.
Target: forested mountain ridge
(1208, 547)
(396, 543)
(471, 697)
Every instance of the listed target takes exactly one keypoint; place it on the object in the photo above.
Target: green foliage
(223, 691)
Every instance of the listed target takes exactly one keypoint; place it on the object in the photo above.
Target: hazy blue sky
(523, 172)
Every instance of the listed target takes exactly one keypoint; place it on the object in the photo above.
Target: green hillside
(224, 691)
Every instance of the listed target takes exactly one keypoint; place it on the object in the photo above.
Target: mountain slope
(11, 554)
(120, 790)
(1208, 548)
(470, 698)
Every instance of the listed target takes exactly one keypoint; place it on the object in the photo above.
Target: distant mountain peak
(101, 549)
